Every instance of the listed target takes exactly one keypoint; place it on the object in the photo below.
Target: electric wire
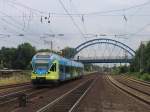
(36, 11)
(11, 18)
(73, 21)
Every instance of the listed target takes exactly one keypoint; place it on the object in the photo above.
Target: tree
(47, 50)
(7, 56)
(141, 61)
(24, 54)
(123, 69)
(68, 52)
(147, 57)
(88, 67)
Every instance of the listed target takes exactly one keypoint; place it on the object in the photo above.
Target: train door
(62, 72)
(54, 71)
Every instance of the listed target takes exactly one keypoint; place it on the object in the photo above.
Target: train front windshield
(41, 66)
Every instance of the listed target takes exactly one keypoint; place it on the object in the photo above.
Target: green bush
(145, 77)
(141, 76)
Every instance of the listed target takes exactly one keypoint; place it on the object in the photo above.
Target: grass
(15, 78)
(137, 75)
(141, 76)
(88, 72)
(22, 77)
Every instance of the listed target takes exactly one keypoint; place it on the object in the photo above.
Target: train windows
(67, 69)
(43, 56)
(41, 66)
(72, 70)
(53, 68)
(61, 68)
(41, 61)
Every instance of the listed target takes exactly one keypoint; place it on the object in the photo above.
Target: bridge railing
(104, 57)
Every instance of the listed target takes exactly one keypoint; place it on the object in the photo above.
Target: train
(50, 68)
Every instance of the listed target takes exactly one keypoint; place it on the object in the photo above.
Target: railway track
(129, 89)
(14, 85)
(15, 89)
(12, 97)
(38, 96)
(134, 84)
(70, 100)
(146, 83)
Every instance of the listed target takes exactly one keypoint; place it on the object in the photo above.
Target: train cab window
(53, 68)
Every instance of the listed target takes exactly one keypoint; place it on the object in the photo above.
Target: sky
(24, 21)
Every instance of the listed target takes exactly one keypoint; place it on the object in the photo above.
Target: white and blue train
(52, 68)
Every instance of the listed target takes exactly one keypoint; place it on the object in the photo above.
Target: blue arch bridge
(123, 59)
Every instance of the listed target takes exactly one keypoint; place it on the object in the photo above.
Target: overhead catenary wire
(10, 24)
(73, 21)
(32, 13)
(83, 23)
(118, 10)
(81, 17)
(12, 19)
(14, 35)
(8, 40)
(37, 12)
(139, 30)
(34, 10)
(23, 17)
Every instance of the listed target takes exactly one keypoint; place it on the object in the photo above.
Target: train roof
(53, 56)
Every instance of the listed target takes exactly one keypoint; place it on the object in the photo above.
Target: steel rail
(57, 100)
